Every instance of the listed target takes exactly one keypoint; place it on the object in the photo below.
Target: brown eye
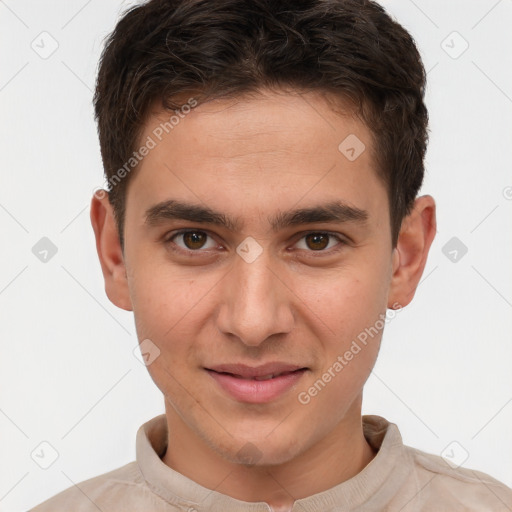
(320, 242)
(194, 239)
(317, 241)
(191, 241)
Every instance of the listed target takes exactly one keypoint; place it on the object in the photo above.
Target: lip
(249, 372)
(239, 381)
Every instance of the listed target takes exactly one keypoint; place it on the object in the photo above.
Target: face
(256, 253)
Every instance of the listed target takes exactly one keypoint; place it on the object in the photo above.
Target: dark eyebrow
(172, 209)
(335, 211)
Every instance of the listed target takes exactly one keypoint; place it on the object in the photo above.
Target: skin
(251, 158)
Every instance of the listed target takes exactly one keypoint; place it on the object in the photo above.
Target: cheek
(348, 324)
(346, 311)
(345, 302)
(167, 311)
(165, 300)
(170, 309)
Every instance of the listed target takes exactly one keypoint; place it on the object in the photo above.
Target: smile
(256, 385)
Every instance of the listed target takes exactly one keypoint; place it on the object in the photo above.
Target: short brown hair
(164, 49)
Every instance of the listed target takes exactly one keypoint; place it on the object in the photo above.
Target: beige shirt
(398, 479)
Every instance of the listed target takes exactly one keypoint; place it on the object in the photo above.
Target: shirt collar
(379, 481)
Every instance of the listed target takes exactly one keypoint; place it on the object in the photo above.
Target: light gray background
(68, 373)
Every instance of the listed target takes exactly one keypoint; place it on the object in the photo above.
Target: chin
(262, 452)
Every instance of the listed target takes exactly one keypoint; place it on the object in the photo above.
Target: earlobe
(109, 251)
(410, 255)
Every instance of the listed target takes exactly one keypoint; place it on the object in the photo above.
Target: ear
(410, 255)
(109, 250)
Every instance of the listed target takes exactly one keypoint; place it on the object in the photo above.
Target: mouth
(256, 384)
(262, 377)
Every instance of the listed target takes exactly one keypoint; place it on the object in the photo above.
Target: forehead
(270, 149)
(280, 119)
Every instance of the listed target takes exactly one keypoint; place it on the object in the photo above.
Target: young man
(263, 161)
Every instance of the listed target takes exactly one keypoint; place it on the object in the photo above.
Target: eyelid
(342, 240)
(168, 239)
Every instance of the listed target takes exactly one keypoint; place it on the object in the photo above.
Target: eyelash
(199, 252)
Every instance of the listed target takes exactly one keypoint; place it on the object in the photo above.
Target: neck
(334, 459)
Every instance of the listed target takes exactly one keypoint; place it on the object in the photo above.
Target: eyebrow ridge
(335, 211)
(173, 209)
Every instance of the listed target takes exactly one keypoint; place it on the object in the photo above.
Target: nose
(256, 303)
